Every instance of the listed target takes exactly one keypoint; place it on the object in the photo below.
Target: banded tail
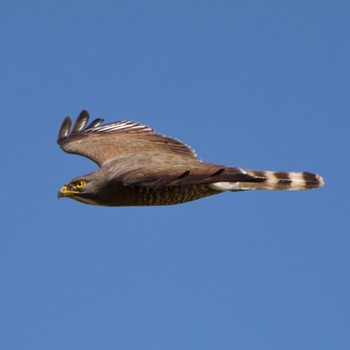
(272, 180)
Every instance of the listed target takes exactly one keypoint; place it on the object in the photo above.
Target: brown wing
(102, 143)
(222, 177)
(182, 175)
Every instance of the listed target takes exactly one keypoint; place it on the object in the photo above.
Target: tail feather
(273, 180)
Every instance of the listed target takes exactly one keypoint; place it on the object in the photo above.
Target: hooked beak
(65, 191)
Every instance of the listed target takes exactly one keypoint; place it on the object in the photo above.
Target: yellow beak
(66, 192)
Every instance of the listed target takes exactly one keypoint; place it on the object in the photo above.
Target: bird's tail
(272, 180)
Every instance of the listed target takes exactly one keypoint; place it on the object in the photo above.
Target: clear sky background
(255, 84)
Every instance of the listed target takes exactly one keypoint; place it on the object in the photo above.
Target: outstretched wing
(102, 143)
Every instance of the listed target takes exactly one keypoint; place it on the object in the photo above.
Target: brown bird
(140, 167)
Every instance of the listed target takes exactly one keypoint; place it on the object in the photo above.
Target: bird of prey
(140, 167)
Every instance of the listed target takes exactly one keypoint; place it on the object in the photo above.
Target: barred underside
(273, 180)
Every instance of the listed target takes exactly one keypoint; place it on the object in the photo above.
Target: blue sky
(255, 84)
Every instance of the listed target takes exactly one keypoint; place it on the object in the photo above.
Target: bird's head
(82, 189)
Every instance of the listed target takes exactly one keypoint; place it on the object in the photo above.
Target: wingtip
(81, 121)
(95, 123)
(64, 130)
(84, 113)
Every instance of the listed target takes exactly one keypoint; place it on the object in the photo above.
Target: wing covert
(204, 173)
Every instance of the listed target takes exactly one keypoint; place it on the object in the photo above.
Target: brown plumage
(138, 166)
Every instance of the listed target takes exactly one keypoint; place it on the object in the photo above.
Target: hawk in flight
(139, 166)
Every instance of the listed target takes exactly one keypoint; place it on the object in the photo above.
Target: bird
(140, 167)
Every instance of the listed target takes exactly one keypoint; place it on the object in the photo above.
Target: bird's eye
(80, 184)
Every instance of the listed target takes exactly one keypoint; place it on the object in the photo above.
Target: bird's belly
(144, 196)
(173, 195)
